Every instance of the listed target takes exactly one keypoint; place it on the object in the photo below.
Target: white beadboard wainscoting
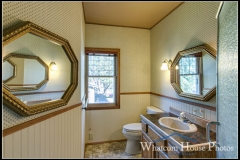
(106, 125)
(165, 103)
(58, 137)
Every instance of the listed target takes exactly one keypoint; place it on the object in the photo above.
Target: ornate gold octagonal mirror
(31, 73)
(193, 73)
(32, 49)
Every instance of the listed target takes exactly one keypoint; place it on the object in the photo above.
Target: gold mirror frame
(14, 55)
(173, 78)
(9, 100)
(14, 71)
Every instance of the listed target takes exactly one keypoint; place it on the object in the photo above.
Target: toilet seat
(129, 131)
(133, 127)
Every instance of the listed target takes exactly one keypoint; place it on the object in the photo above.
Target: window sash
(113, 98)
(194, 88)
(115, 54)
(187, 72)
(187, 68)
(114, 66)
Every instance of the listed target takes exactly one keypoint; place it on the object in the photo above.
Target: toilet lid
(157, 110)
(133, 127)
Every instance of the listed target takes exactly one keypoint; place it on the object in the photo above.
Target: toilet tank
(153, 110)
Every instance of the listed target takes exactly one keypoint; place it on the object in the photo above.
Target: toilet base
(133, 147)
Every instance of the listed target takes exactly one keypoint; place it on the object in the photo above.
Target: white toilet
(133, 132)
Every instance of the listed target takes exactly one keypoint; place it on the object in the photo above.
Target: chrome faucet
(183, 118)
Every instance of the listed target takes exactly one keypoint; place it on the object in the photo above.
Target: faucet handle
(182, 114)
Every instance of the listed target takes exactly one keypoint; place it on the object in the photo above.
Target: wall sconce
(166, 64)
(53, 66)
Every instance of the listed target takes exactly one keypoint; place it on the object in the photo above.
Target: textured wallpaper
(227, 93)
(191, 24)
(134, 45)
(62, 18)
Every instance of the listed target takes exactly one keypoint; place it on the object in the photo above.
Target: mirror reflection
(28, 40)
(193, 73)
(9, 71)
(196, 73)
(29, 72)
(28, 84)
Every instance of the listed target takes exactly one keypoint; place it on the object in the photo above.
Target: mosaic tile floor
(108, 150)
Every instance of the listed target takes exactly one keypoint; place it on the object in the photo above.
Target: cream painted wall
(191, 24)
(61, 136)
(134, 45)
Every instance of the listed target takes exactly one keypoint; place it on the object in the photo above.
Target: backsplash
(165, 104)
(195, 119)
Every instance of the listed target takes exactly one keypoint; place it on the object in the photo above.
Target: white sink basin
(177, 125)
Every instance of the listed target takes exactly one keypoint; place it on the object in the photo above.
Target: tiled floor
(108, 150)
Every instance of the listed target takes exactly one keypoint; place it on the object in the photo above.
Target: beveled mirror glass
(193, 73)
(51, 89)
(31, 73)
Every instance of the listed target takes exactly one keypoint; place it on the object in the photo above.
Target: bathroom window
(102, 78)
(190, 74)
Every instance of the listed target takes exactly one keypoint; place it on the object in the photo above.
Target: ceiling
(128, 14)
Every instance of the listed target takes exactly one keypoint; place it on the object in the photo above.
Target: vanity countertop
(179, 139)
